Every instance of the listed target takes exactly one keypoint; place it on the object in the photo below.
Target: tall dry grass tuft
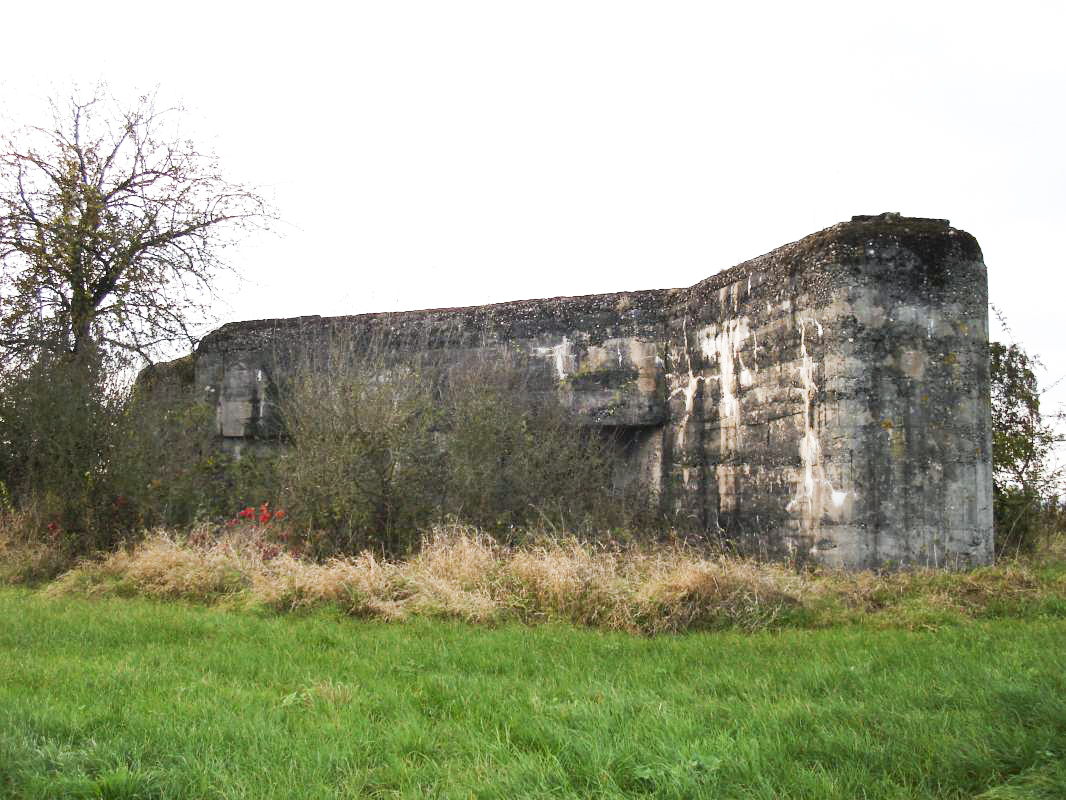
(160, 566)
(572, 581)
(456, 574)
(692, 593)
(362, 586)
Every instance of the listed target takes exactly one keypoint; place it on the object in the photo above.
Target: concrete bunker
(829, 399)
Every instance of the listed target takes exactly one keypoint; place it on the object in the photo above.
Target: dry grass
(463, 573)
(1009, 583)
(687, 594)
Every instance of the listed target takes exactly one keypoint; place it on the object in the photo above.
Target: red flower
(279, 514)
(248, 513)
(53, 527)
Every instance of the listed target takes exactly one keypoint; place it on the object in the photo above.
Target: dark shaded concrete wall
(829, 399)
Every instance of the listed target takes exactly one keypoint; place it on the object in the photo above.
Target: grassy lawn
(125, 698)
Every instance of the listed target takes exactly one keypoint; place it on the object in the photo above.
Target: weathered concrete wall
(829, 399)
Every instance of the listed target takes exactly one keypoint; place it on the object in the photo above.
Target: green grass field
(126, 698)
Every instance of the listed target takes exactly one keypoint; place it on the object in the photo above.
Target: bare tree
(112, 229)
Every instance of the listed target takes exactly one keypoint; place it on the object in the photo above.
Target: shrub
(379, 449)
(163, 461)
(363, 467)
(57, 422)
(1026, 483)
(517, 458)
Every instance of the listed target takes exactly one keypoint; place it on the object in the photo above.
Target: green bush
(1026, 483)
(363, 468)
(162, 450)
(57, 424)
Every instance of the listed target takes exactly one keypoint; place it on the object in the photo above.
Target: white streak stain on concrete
(809, 448)
(561, 355)
(813, 476)
(688, 389)
(722, 345)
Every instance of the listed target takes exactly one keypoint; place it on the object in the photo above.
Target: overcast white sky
(429, 154)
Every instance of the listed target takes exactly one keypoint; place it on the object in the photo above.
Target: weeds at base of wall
(461, 572)
(370, 459)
